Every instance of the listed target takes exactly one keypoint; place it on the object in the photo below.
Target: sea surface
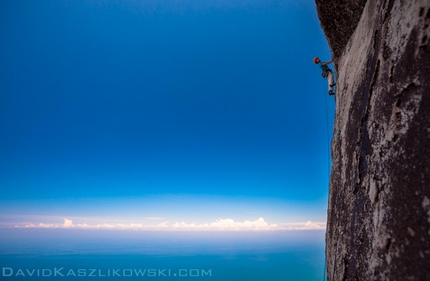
(71, 254)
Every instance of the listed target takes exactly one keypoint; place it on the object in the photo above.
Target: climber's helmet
(316, 60)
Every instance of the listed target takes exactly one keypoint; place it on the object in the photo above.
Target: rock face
(379, 203)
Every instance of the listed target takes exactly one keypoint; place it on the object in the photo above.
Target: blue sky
(179, 111)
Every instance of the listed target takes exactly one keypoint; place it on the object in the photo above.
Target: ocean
(73, 254)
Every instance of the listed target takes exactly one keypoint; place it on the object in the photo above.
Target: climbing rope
(328, 159)
(327, 129)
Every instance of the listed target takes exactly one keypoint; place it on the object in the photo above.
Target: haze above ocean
(43, 254)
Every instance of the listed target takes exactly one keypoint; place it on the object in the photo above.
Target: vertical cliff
(379, 203)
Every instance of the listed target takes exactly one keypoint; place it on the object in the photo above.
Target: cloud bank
(219, 224)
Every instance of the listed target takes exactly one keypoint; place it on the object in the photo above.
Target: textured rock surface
(341, 17)
(379, 203)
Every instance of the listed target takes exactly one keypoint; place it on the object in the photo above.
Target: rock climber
(327, 73)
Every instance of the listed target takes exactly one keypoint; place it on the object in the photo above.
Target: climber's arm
(328, 62)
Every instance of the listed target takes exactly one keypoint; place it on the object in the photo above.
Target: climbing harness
(325, 72)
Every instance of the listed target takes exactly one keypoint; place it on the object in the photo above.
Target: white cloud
(228, 224)
(162, 224)
(303, 225)
(67, 223)
(311, 225)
